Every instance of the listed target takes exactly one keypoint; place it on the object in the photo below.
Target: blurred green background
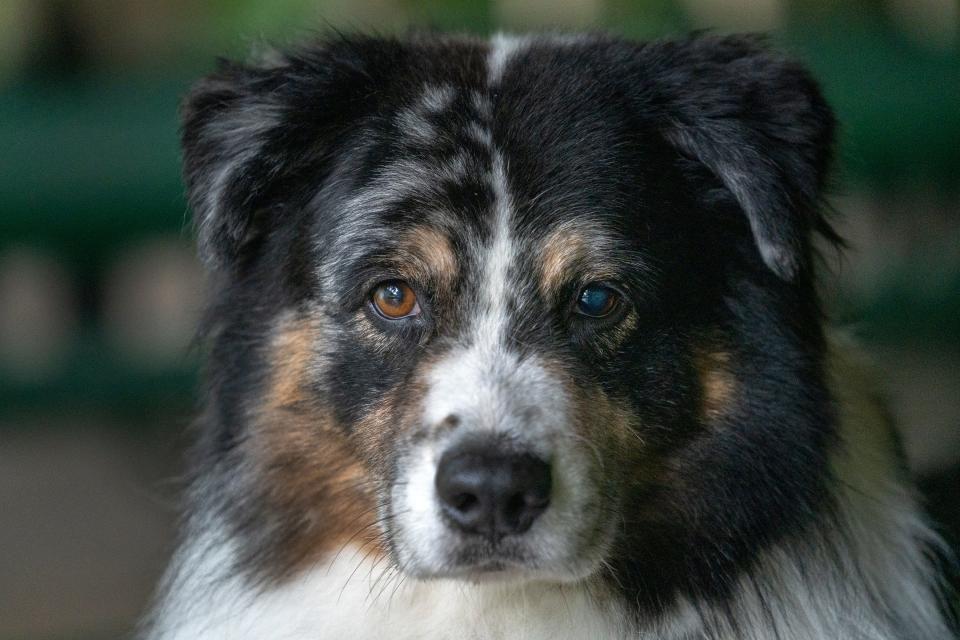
(100, 291)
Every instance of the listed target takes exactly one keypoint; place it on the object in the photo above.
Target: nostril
(532, 485)
(464, 492)
(465, 502)
(514, 509)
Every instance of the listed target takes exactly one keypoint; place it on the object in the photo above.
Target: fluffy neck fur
(863, 574)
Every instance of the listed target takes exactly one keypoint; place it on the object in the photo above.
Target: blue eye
(597, 301)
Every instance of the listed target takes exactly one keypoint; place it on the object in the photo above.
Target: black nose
(492, 493)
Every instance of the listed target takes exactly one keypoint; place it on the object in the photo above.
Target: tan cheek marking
(315, 487)
(292, 352)
(718, 385)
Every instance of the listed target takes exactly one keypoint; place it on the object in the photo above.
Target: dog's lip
(489, 571)
(492, 565)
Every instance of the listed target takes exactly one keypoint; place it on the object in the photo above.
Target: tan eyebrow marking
(432, 253)
(567, 249)
(562, 249)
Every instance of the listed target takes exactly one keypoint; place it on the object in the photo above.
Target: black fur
(708, 155)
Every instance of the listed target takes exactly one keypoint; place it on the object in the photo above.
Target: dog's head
(531, 308)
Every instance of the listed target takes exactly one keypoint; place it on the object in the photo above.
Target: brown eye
(395, 300)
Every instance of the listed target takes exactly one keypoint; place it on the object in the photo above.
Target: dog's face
(527, 309)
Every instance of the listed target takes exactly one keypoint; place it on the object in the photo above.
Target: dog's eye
(597, 301)
(394, 300)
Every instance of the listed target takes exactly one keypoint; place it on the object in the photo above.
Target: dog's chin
(492, 572)
(491, 567)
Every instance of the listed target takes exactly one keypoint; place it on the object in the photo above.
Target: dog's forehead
(472, 152)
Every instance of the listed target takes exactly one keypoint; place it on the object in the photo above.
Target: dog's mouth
(472, 558)
(547, 556)
(522, 524)
(480, 561)
(492, 570)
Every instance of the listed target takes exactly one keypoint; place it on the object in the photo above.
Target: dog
(520, 338)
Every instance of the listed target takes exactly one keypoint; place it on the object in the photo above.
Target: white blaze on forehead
(495, 390)
(497, 261)
(484, 381)
(502, 47)
(483, 376)
(500, 252)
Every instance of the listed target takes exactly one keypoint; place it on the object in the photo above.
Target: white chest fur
(359, 599)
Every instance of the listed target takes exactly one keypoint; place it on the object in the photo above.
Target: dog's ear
(248, 130)
(759, 122)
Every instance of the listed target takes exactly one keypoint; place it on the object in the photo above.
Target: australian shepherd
(519, 338)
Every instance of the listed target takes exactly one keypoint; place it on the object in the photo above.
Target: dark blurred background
(100, 290)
